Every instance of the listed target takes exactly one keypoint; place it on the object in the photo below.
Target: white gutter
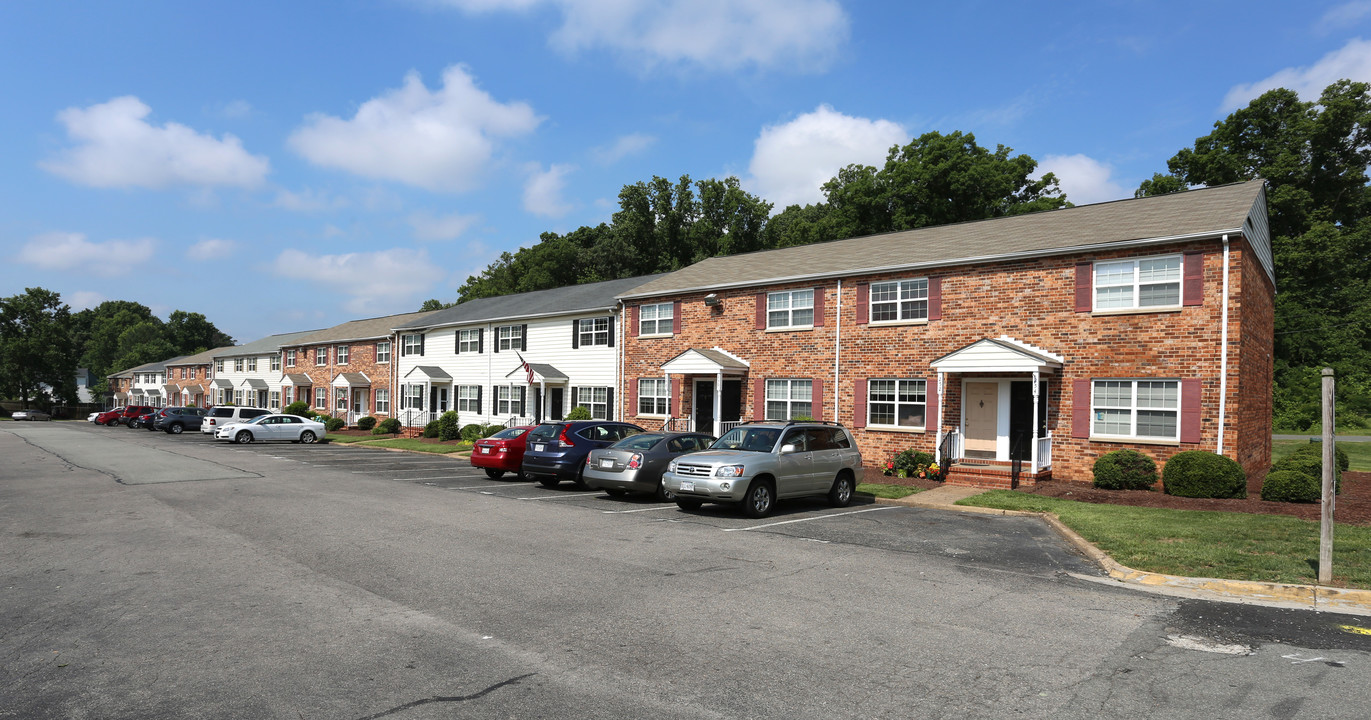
(619, 365)
(837, 347)
(1223, 351)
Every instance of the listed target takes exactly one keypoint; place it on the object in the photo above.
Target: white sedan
(272, 427)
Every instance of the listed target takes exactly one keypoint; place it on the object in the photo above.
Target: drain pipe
(837, 346)
(1223, 351)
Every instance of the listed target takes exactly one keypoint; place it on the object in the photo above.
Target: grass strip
(1192, 543)
(411, 444)
(882, 490)
(1358, 453)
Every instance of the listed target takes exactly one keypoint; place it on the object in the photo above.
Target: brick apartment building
(189, 376)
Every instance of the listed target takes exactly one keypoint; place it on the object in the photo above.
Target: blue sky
(288, 166)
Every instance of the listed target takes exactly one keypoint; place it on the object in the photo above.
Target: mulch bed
(367, 434)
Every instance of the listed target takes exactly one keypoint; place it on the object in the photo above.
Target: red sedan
(502, 452)
(110, 417)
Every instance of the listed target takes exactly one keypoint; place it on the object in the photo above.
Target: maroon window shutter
(933, 415)
(1190, 411)
(863, 303)
(674, 402)
(633, 321)
(630, 394)
(1192, 290)
(859, 403)
(1084, 289)
(676, 317)
(759, 398)
(935, 298)
(761, 311)
(1080, 408)
(816, 400)
(818, 308)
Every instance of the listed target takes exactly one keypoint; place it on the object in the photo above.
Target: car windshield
(745, 438)
(545, 432)
(643, 441)
(508, 434)
(257, 420)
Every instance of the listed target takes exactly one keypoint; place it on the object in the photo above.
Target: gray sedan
(635, 463)
(30, 415)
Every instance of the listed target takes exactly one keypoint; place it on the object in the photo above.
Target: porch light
(711, 300)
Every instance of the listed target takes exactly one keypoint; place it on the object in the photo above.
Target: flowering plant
(889, 468)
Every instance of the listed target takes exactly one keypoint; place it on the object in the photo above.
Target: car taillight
(565, 441)
(211, 421)
(635, 462)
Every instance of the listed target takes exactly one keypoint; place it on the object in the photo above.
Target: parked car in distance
(635, 463)
(272, 427)
(175, 420)
(93, 416)
(30, 415)
(756, 464)
(556, 451)
(220, 415)
(145, 420)
(109, 417)
(502, 452)
(130, 416)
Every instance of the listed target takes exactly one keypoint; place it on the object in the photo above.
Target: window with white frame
(238, 364)
(288, 394)
(383, 352)
(787, 399)
(1141, 283)
(510, 337)
(252, 364)
(896, 403)
(290, 358)
(414, 397)
(275, 399)
(507, 400)
(321, 356)
(594, 331)
(218, 366)
(321, 398)
(1136, 409)
(653, 398)
(192, 373)
(276, 363)
(594, 399)
(383, 401)
(412, 343)
(469, 398)
(794, 308)
(342, 354)
(899, 300)
(237, 397)
(340, 399)
(655, 319)
(469, 341)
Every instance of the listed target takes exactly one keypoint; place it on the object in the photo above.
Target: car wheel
(688, 503)
(494, 474)
(549, 480)
(759, 499)
(581, 477)
(307, 437)
(175, 429)
(663, 494)
(841, 493)
(243, 437)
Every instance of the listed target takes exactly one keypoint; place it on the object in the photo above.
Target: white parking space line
(559, 497)
(821, 517)
(623, 512)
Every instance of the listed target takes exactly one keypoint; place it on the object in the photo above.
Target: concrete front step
(992, 476)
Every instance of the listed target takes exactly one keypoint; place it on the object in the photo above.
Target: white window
(412, 344)
(653, 397)
(237, 397)
(594, 331)
(252, 364)
(321, 398)
(655, 319)
(897, 403)
(218, 366)
(511, 337)
(321, 356)
(238, 364)
(788, 399)
(507, 401)
(414, 397)
(1144, 283)
(276, 363)
(275, 399)
(468, 341)
(1136, 408)
(383, 352)
(192, 373)
(790, 309)
(340, 399)
(899, 300)
(342, 354)
(290, 358)
(383, 400)
(594, 399)
(469, 398)
(288, 394)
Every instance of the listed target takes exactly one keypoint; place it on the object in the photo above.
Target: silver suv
(755, 464)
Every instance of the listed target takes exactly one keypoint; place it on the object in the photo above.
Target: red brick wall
(361, 359)
(1251, 338)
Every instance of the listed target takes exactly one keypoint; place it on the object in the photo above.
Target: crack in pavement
(454, 698)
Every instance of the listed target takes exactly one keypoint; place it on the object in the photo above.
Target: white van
(225, 414)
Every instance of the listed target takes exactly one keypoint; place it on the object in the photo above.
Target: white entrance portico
(716, 389)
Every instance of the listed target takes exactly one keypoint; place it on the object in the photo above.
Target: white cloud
(440, 227)
(440, 140)
(791, 161)
(543, 191)
(308, 200)
(374, 282)
(1352, 62)
(73, 252)
(625, 145)
(1084, 179)
(714, 34)
(84, 299)
(210, 249)
(1341, 16)
(117, 147)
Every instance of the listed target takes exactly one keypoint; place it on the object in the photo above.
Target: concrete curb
(1312, 597)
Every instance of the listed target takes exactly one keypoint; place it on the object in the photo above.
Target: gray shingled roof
(368, 329)
(201, 358)
(268, 344)
(1195, 213)
(571, 299)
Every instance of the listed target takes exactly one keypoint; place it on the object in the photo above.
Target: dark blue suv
(557, 451)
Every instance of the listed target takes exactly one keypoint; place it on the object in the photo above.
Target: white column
(937, 416)
(718, 403)
(1034, 446)
(542, 393)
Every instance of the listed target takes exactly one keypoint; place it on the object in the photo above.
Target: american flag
(528, 369)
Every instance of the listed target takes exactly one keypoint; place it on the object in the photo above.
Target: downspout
(619, 366)
(1223, 351)
(837, 347)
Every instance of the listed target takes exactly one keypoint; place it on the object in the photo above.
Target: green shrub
(489, 430)
(1309, 463)
(801, 418)
(1125, 470)
(580, 412)
(389, 426)
(1203, 474)
(431, 429)
(1291, 486)
(1316, 449)
(334, 424)
(448, 429)
(366, 423)
(299, 407)
(472, 432)
(912, 462)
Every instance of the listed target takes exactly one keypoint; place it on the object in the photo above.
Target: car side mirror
(789, 448)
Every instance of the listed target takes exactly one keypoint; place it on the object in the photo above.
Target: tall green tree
(105, 323)
(37, 360)
(191, 333)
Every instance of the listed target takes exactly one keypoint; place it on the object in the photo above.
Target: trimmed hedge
(1316, 449)
(447, 426)
(472, 432)
(389, 426)
(334, 424)
(431, 429)
(489, 430)
(1203, 474)
(299, 407)
(1125, 470)
(1291, 486)
(366, 423)
(580, 412)
(1309, 462)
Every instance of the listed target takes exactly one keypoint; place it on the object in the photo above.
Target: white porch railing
(727, 425)
(1045, 452)
(516, 420)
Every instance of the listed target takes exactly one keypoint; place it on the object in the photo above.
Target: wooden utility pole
(1329, 491)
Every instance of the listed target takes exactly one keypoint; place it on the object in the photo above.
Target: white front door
(980, 404)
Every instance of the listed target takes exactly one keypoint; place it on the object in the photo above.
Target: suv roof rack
(788, 423)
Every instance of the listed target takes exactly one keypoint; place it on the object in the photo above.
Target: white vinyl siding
(1142, 283)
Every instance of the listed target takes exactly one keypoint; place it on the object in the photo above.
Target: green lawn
(1236, 546)
(882, 490)
(411, 444)
(1358, 453)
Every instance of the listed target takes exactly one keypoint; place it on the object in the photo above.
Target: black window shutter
(523, 337)
(421, 344)
(402, 345)
(611, 331)
(609, 404)
(478, 399)
(495, 339)
(575, 334)
(523, 407)
(457, 342)
(574, 402)
(480, 340)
